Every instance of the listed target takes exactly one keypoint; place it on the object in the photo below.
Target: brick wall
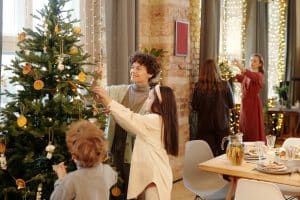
(156, 22)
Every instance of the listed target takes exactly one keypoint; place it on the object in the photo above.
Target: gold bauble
(38, 85)
(77, 30)
(116, 191)
(20, 183)
(81, 77)
(21, 121)
(27, 68)
(73, 50)
(21, 36)
(2, 147)
(56, 29)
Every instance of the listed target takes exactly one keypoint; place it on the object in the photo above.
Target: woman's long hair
(209, 77)
(168, 110)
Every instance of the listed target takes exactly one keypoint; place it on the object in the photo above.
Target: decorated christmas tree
(53, 91)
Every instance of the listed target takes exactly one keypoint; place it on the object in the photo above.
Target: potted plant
(282, 92)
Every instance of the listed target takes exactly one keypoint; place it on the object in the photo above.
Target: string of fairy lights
(93, 20)
(233, 47)
(276, 44)
(277, 49)
(233, 41)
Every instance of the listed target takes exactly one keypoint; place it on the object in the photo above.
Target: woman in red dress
(251, 113)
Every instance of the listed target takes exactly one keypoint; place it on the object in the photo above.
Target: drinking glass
(291, 152)
(271, 141)
(260, 150)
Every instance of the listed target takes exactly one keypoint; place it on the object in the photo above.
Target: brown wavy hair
(167, 109)
(149, 61)
(86, 143)
(209, 77)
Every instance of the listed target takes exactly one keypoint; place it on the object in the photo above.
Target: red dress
(251, 113)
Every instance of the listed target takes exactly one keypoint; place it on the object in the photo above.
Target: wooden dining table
(221, 165)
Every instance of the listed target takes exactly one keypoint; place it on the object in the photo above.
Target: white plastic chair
(287, 189)
(259, 190)
(291, 141)
(204, 184)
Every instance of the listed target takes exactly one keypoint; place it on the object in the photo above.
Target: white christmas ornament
(60, 67)
(27, 52)
(60, 60)
(3, 162)
(39, 192)
(50, 149)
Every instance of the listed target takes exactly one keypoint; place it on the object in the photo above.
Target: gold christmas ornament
(56, 29)
(73, 50)
(20, 184)
(2, 147)
(81, 77)
(21, 36)
(2, 143)
(27, 68)
(77, 30)
(38, 85)
(21, 121)
(115, 191)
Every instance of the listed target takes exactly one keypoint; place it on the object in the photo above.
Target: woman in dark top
(212, 99)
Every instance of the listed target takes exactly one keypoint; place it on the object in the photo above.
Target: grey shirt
(85, 184)
(137, 94)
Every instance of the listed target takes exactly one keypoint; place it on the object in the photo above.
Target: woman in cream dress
(156, 137)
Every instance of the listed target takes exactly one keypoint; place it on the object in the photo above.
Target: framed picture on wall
(181, 38)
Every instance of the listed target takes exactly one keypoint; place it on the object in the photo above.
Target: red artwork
(181, 40)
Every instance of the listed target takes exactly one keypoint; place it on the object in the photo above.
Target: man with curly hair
(144, 69)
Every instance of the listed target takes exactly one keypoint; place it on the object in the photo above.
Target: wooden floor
(179, 192)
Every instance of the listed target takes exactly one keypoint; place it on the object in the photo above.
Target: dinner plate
(285, 170)
(252, 157)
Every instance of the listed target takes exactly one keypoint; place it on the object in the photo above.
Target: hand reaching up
(101, 95)
(60, 170)
(239, 65)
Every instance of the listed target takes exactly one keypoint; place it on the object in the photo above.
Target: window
(231, 36)
(16, 15)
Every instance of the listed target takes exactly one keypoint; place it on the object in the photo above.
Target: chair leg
(287, 197)
(198, 198)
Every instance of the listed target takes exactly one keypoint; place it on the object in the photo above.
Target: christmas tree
(53, 92)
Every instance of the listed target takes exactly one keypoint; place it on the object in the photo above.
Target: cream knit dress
(150, 162)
